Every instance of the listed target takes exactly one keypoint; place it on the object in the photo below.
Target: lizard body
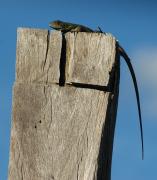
(70, 27)
(66, 27)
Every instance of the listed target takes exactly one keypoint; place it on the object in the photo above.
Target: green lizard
(70, 27)
(66, 27)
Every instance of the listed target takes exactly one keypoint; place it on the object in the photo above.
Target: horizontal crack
(91, 86)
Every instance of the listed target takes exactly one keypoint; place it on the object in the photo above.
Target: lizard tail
(128, 61)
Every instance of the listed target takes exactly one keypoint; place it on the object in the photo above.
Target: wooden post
(63, 132)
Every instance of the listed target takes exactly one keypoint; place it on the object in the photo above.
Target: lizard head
(57, 25)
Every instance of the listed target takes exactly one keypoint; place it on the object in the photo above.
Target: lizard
(65, 27)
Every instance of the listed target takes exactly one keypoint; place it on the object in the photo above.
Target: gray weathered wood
(90, 58)
(38, 55)
(58, 132)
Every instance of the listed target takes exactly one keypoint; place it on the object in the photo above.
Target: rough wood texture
(62, 133)
(38, 55)
(89, 58)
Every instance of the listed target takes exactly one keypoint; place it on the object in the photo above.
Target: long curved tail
(128, 61)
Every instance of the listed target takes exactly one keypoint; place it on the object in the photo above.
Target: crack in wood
(47, 48)
(62, 62)
(92, 86)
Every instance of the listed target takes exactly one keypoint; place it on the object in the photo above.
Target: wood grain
(38, 56)
(58, 132)
(89, 57)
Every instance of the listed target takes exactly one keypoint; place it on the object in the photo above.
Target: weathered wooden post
(63, 132)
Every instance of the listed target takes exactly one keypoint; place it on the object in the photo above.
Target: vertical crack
(62, 62)
(47, 48)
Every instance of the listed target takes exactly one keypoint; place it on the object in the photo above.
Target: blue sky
(135, 26)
